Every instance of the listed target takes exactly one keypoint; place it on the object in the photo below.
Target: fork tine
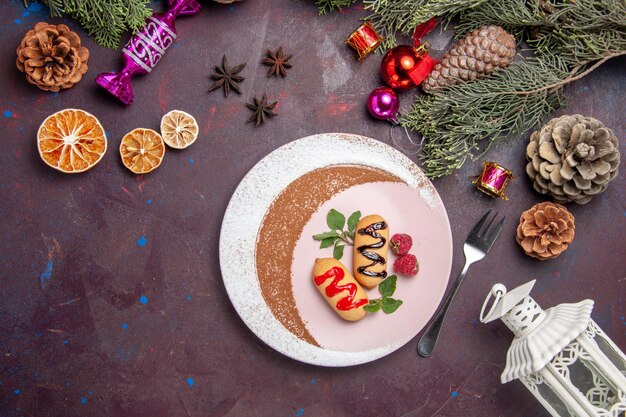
(487, 229)
(480, 223)
(493, 234)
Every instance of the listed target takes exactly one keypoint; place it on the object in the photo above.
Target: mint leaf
(372, 307)
(338, 251)
(335, 220)
(390, 305)
(326, 235)
(337, 236)
(353, 220)
(326, 243)
(388, 286)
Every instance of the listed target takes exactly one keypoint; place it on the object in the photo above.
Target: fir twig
(570, 78)
(56, 7)
(570, 40)
(465, 120)
(327, 6)
(392, 16)
(105, 20)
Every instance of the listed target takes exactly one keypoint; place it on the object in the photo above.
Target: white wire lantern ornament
(561, 355)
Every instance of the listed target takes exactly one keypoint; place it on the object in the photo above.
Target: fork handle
(428, 340)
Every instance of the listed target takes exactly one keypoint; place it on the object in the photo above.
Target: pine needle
(569, 39)
(327, 6)
(468, 118)
(105, 20)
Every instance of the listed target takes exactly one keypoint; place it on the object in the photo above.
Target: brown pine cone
(480, 53)
(52, 57)
(572, 158)
(545, 230)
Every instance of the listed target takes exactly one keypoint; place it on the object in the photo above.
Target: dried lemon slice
(179, 129)
(142, 150)
(71, 141)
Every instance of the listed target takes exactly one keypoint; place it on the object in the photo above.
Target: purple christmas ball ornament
(383, 103)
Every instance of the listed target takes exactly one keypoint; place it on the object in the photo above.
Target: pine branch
(56, 7)
(392, 16)
(327, 6)
(465, 120)
(137, 14)
(570, 39)
(105, 20)
(513, 15)
(574, 75)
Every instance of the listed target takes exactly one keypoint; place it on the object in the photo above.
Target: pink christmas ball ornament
(383, 103)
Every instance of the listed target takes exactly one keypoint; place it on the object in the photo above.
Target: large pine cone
(52, 57)
(545, 230)
(572, 158)
(480, 53)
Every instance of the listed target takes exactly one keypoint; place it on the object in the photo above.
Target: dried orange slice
(71, 141)
(179, 129)
(142, 150)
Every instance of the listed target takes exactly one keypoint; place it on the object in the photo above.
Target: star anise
(278, 61)
(262, 110)
(226, 77)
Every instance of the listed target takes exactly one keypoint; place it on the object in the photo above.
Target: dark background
(78, 251)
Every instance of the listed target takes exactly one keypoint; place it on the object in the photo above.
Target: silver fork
(475, 248)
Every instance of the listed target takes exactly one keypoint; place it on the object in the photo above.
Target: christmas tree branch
(105, 20)
(392, 16)
(326, 6)
(466, 119)
(570, 78)
(570, 39)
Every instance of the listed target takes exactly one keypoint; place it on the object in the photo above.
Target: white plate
(419, 211)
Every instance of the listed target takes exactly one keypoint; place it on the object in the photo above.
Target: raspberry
(400, 244)
(406, 265)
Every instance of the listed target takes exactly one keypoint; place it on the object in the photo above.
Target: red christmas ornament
(405, 67)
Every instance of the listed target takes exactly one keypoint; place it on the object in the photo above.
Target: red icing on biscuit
(337, 274)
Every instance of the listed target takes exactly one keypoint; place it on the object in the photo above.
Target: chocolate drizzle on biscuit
(372, 230)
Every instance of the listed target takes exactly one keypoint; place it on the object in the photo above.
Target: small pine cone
(572, 158)
(480, 53)
(52, 57)
(545, 230)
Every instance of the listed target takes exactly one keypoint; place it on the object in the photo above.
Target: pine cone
(52, 57)
(572, 158)
(476, 56)
(545, 230)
